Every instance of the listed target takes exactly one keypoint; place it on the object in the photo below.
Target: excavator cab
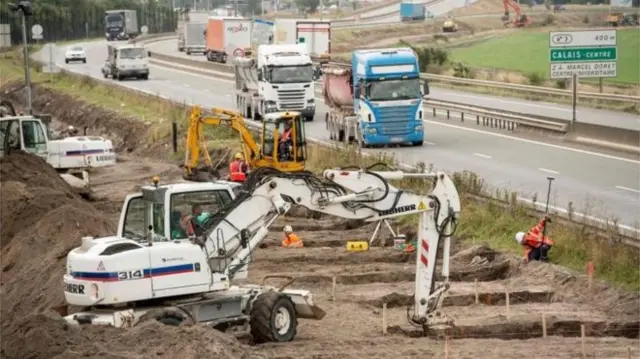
(283, 141)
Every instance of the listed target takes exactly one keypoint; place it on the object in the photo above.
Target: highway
(601, 180)
(583, 114)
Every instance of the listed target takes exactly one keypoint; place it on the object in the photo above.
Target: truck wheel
(417, 143)
(145, 77)
(273, 318)
(188, 52)
(309, 118)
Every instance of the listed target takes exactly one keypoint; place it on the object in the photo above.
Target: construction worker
(194, 222)
(238, 169)
(284, 142)
(291, 240)
(536, 246)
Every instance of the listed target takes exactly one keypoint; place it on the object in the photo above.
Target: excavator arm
(196, 144)
(236, 231)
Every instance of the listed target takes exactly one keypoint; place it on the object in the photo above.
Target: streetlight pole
(25, 9)
(27, 71)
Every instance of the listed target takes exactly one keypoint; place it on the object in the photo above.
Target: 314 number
(135, 274)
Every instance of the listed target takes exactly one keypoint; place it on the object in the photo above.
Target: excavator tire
(267, 311)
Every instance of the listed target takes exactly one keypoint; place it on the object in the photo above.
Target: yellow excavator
(287, 156)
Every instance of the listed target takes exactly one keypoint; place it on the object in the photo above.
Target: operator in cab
(536, 246)
(291, 240)
(284, 142)
(238, 169)
(193, 223)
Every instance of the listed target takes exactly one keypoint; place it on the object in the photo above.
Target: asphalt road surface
(583, 114)
(587, 178)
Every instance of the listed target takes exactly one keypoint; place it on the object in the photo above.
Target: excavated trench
(527, 328)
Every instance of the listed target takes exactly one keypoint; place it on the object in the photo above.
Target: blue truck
(377, 100)
(412, 11)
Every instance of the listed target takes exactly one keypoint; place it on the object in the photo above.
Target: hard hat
(288, 229)
(238, 156)
(519, 237)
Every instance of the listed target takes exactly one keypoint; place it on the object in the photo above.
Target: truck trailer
(279, 78)
(227, 36)
(314, 34)
(410, 11)
(121, 25)
(377, 100)
(192, 36)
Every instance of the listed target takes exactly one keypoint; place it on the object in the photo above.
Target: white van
(126, 60)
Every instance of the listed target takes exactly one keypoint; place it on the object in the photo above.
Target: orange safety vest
(236, 174)
(292, 241)
(286, 135)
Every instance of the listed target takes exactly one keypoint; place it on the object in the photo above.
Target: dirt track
(42, 219)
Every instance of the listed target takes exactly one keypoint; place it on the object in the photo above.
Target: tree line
(77, 19)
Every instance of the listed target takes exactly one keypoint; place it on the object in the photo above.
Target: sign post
(36, 32)
(575, 54)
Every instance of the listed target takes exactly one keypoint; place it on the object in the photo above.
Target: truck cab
(285, 79)
(388, 96)
(120, 25)
(126, 60)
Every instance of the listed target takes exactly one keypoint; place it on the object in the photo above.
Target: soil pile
(46, 335)
(42, 219)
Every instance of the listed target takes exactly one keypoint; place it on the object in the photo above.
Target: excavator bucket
(306, 308)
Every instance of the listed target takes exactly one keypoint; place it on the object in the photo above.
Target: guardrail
(498, 118)
(529, 88)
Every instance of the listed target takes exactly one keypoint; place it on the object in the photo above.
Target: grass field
(480, 222)
(528, 52)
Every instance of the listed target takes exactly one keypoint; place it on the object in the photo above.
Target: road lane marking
(548, 170)
(482, 155)
(499, 135)
(429, 143)
(628, 189)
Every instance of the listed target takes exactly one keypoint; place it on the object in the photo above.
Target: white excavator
(71, 157)
(153, 267)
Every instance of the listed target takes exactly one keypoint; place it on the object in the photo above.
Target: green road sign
(583, 54)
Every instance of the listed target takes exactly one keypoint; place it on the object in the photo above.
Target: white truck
(279, 78)
(72, 157)
(188, 36)
(157, 268)
(314, 34)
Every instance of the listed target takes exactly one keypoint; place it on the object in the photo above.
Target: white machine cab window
(34, 137)
(389, 90)
(198, 206)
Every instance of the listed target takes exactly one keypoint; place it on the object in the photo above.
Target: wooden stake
(384, 318)
(333, 289)
(544, 325)
(446, 347)
(506, 297)
(590, 270)
(475, 288)
(582, 336)
(629, 352)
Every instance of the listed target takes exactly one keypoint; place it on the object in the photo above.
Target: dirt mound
(126, 133)
(42, 219)
(46, 335)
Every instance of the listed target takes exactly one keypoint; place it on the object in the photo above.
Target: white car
(75, 53)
